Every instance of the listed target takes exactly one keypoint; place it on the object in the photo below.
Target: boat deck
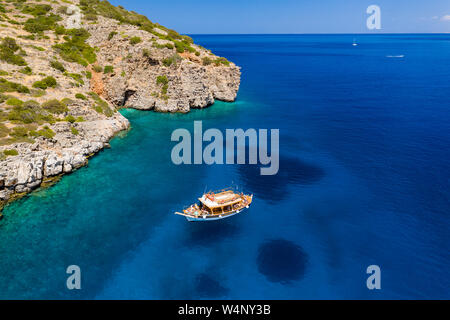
(214, 206)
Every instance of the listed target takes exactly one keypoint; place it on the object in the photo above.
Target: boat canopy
(220, 200)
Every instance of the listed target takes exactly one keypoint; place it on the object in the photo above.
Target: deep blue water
(364, 179)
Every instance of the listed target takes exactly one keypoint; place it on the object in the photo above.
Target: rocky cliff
(65, 71)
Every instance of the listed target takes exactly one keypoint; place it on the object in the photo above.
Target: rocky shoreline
(50, 158)
(133, 68)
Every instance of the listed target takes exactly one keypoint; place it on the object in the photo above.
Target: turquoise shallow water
(364, 179)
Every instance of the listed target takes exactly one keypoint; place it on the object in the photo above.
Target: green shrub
(46, 132)
(111, 35)
(28, 37)
(88, 75)
(183, 46)
(8, 86)
(70, 119)
(67, 101)
(60, 30)
(14, 102)
(19, 132)
(62, 10)
(180, 47)
(13, 21)
(31, 104)
(74, 131)
(37, 9)
(11, 152)
(40, 85)
(90, 17)
(223, 61)
(172, 34)
(47, 82)
(97, 68)
(4, 131)
(8, 47)
(22, 53)
(162, 80)
(49, 118)
(11, 58)
(37, 48)
(76, 76)
(41, 23)
(27, 112)
(135, 40)
(161, 46)
(108, 69)
(101, 105)
(10, 43)
(37, 93)
(54, 106)
(98, 108)
(27, 70)
(57, 65)
(80, 96)
(207, 61)
(28, 115)
(105, 9)
(171, 60)
(187, 39)
(33, 133)
(75, 48)
(80, 119)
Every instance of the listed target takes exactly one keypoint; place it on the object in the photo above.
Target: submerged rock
(281, 261)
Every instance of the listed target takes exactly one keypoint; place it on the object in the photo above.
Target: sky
(293, 16)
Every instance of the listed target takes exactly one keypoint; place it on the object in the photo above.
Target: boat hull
(213, 218)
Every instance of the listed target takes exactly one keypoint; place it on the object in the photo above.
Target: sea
(364, 180)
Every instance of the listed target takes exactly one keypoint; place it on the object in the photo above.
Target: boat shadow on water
(202, 234)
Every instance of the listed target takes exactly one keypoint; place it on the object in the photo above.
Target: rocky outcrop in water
(136, 68)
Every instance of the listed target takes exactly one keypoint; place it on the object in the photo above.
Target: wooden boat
(217, 205)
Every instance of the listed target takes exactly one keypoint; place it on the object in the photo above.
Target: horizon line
(317, 33)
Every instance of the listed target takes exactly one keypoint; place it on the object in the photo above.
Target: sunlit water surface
(364, 179)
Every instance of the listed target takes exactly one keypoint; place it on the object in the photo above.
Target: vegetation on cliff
(44, 30)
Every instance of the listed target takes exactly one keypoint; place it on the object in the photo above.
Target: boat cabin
(220, 203)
